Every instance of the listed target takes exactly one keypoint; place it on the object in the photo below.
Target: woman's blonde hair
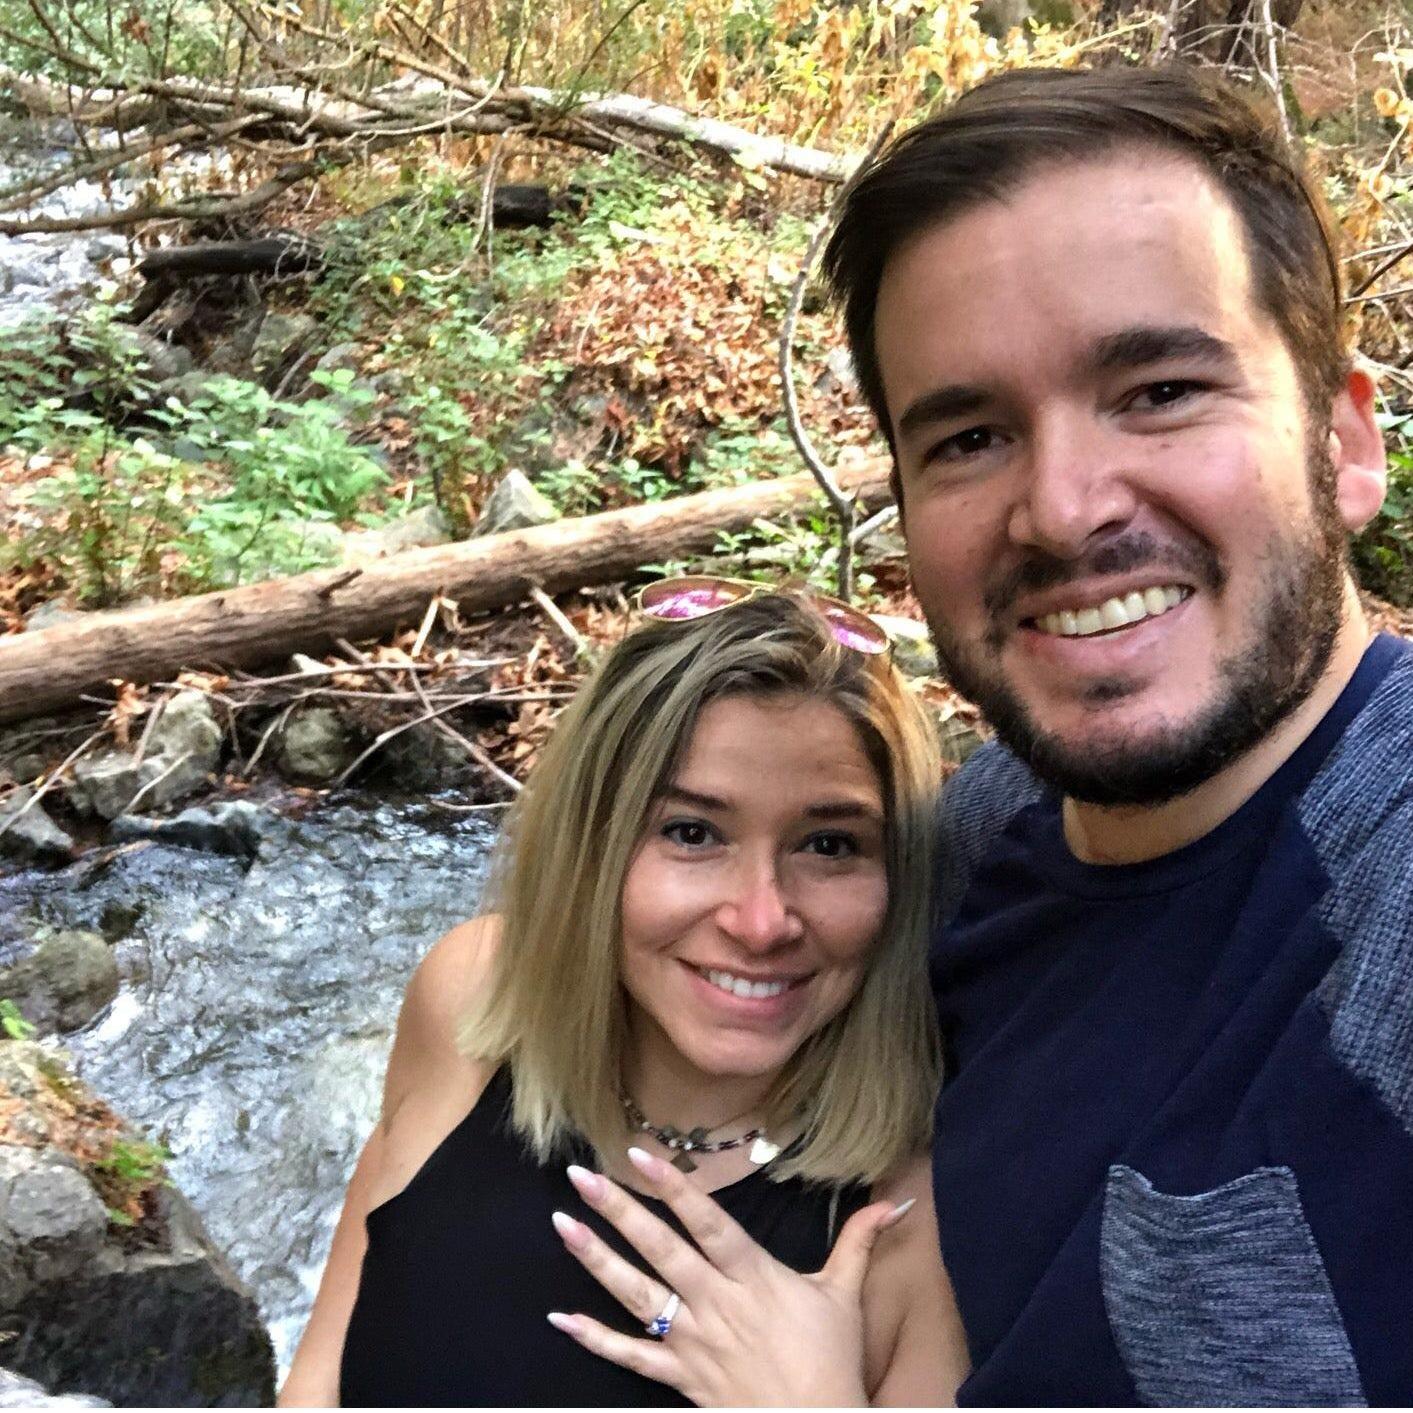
(555, 1010)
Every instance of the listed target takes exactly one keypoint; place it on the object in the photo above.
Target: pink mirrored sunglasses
(697, 595)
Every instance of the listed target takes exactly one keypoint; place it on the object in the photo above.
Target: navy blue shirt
(1174, 1152)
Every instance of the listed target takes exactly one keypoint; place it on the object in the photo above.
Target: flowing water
(256, 1009)
(56, 269)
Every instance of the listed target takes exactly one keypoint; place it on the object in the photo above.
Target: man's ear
(1357, 450)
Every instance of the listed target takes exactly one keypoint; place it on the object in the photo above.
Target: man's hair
(1018, 124)
(864, 1084)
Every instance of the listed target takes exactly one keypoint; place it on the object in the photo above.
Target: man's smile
(1085, 617)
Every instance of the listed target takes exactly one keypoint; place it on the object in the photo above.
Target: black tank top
(463, 1265)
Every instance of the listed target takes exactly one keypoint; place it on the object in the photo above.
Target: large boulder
(138, 1311)
(64, 982)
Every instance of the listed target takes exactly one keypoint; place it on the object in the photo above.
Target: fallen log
(270, 255)
(45, 670)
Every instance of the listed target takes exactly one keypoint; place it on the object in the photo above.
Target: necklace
(683, 1145)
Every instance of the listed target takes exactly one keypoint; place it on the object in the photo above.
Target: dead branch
(238, 627)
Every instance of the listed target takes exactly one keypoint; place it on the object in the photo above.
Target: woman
(709, 943)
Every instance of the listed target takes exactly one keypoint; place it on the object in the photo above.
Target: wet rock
(278, 343)
(316, 745)
(913, 653)
(16, 1391)
(158, 1322)
(106, 783)
(64, 982)
(514, 504)
(187, 728)
(232, 827)
(183, 749)
(28, 834)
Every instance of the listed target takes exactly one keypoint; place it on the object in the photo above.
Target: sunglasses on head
(698, 595)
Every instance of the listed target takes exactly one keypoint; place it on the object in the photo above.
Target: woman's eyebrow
(844, 809)
(678, 794)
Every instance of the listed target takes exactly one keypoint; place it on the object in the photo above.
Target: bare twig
(52, 778)
(843, 506)
(474, 749)
(1380, 270)
(555, 614)
(156, 781)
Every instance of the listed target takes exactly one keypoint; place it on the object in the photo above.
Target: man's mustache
(1123, 553)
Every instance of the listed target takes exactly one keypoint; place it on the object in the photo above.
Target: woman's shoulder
(426, 1063)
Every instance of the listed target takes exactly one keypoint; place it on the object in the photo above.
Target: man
(1098, 316)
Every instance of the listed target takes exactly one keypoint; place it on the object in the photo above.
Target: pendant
(763, 1151)
(682, 1161)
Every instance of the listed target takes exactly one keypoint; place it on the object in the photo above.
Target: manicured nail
(571, 1231)
(590, 1185)
(646, 1164)
(567, 1323)
(897, 1214)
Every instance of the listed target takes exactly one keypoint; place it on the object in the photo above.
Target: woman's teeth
(738, 986)
(1117, 612)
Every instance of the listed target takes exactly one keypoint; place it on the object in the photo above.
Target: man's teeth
(739, 986)
(1112, 613)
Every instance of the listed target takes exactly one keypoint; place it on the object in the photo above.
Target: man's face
(1122, 526)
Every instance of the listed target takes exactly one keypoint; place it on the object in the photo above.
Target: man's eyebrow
(1133, 348)
(953, 400)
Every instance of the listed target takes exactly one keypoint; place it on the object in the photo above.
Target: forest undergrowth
(626, 351)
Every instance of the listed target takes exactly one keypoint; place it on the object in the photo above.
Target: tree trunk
(44, 670)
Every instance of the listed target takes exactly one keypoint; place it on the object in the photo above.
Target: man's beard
(1294, 627)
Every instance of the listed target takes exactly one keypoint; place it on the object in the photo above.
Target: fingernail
(590, 1185)
(571, 1231)
(562, 1322)
(646, 1164)
(897, 1214)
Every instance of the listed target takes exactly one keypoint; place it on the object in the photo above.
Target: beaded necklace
(683, 1145)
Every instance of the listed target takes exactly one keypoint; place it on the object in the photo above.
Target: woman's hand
(749, 1330)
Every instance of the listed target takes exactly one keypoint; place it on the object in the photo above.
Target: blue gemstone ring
(661, 1326)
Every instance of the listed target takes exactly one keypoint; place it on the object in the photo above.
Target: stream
(257, 1008)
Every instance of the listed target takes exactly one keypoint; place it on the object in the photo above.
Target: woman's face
(759, 887)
